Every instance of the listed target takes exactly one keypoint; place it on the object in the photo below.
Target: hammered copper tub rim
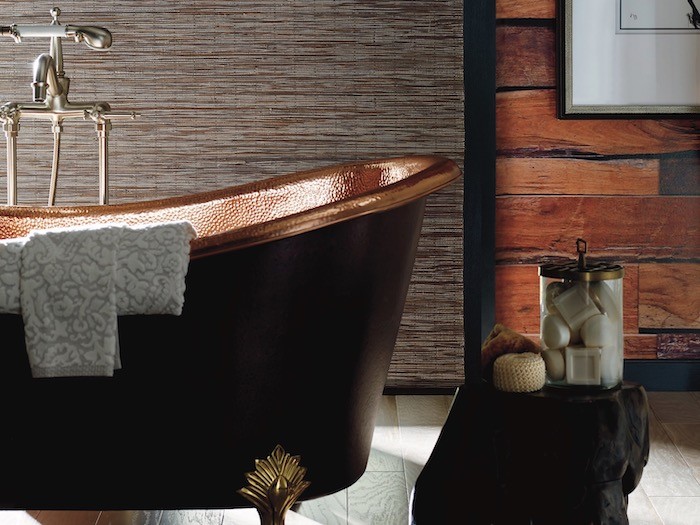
(423, 175)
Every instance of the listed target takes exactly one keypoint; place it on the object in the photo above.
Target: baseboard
(676, 375)
(669, 375)
(417, 391)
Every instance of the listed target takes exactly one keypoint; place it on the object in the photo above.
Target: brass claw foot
(275, 485)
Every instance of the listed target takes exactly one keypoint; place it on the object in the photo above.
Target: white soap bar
(575, 306)
(603, 294)
(554, 289)
(597, 330)
(554, 364)
(554, 332)
(582, 365)
(611, 365)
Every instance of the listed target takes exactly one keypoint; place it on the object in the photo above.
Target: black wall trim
(678, 375)
(479, 179)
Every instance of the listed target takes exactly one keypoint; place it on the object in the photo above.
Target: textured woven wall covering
(231, 92)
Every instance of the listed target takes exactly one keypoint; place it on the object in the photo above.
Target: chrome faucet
(50, 88)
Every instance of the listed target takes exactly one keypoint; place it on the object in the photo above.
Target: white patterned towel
(10, 260)
(74, 282)
(152, 262)
(68, 302)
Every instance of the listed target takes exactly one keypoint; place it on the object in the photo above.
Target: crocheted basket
(524, 372)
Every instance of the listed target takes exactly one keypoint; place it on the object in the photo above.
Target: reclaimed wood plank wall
(631, 188)
(231, 92)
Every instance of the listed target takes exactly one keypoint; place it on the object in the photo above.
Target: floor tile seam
(656, 511)
(653, 508)
(400, 434)
(680, 452)
(669, 415)
(690, 466)
(405, 421)
(675, 497)
(652, 411)
(407, 488)
(668, 438)
(667, 495)
(687, 470)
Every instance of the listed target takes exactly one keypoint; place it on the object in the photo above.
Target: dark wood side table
(552, 457)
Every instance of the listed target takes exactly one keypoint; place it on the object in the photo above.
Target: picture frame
(628, 59)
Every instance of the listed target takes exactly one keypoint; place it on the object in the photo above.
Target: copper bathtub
(295, 292)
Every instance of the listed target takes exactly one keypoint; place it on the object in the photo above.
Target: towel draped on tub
(73, 283)
(10, 262)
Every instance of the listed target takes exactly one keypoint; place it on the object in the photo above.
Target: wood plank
(679, 346)
(529, 9)
(567, 176)
(669, 295)
(680, 175)
(626, 229)
(517, 301)
(527, 125)
(68, 517)
(640, 346)
(517, 298)
(525, 56)
(630, 299)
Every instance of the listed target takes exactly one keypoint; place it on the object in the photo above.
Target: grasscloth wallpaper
(231, 92)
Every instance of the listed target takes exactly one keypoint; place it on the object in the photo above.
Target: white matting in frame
(608, 72)
(656, 16)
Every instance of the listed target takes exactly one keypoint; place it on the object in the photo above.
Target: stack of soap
(579, 333)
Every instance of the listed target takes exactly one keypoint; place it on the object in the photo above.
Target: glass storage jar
(581, 322)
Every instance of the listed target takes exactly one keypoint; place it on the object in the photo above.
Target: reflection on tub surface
(293, 300)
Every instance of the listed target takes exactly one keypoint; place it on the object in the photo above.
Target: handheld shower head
(94, 37)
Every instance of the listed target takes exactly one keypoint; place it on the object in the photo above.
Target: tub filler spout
(45, 78)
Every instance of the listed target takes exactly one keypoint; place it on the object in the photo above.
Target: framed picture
(629, 58)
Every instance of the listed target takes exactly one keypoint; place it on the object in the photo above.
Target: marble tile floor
(406, 431)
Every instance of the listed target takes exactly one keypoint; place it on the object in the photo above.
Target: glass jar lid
(582, 270)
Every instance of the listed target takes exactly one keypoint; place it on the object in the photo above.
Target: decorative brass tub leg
(275, 485)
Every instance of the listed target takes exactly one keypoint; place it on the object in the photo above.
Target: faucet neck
(56, 49)
(46, 81)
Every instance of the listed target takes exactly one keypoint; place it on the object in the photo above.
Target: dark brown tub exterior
(294, 296)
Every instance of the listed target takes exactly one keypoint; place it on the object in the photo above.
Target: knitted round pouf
(523, 372)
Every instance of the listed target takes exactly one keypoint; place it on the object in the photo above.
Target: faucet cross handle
(9, 112)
